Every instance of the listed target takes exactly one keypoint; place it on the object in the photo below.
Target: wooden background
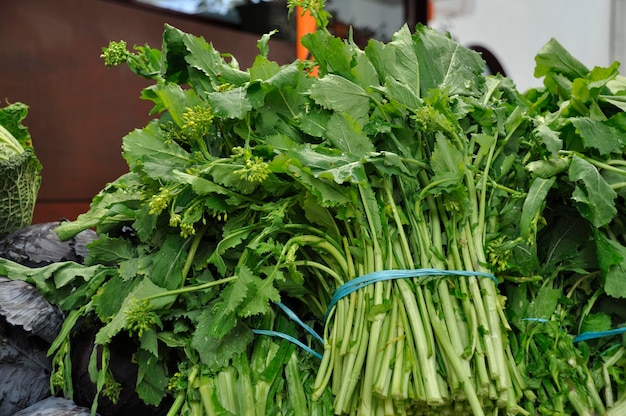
(80, 109)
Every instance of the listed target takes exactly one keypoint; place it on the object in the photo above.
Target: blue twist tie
(586, 335)
(288, 338)
(383, 275)
(291, 314)
(591, 335)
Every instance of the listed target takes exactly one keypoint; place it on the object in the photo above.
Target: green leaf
(382, 56)
(549, 138)
(144, 289)
(553, 57)
(152, 377)
(262, 44)
(544, 303)
(402, 93)
(406, 66)
(334, 166)
(345, 134)
(447, 65)
(596, 322)
(327, 193)
(236, 293)
(363, 72)
(564, 239)
(320, 216)
(597, 135)
(60, 283)
(330, 53)
(205, 58)
(110, 297)
(447, 165)
(547, 168)
(168, 262)
(594, 197)
(109, 251)
(233, 103)
(125, 190)
(148, 153)
(534, 202)
(217, 352)
(263, 69)
(612, 261)
(342, 96)
(315, 122)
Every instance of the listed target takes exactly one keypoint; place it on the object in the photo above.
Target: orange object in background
(305, 23)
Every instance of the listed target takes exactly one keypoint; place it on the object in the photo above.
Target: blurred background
(80, 110)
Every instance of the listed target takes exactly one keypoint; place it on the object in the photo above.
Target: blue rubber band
(288, 338)
(586, 335)
(599, 334)
(296, 319)
(542, 320)
(383, 275)
(354, 285)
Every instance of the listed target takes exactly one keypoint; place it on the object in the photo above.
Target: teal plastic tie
(586, 335)
(354, 285)
(290, 339)
(383, 275)
(291, 314)
(599, 334)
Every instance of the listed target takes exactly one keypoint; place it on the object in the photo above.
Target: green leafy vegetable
(487, 223)
(19, 170)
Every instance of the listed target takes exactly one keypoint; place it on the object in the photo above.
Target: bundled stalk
(269, 378)
(434, 337)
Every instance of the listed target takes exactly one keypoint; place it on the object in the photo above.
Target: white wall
(515, 30)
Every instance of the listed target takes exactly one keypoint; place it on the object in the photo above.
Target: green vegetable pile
(19, 170)
(458, 245)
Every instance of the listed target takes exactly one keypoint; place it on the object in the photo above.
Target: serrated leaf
(553, 57)
(446, 65)
(596, 322)
(204, 57)
(315, 122)
(612, 261)
(339, 168)
(543, 305)
(331, 53)
(382, 56)
(236, 293)
(147, 153)
(109, 299)
(345, 134)
(263, 69)
(145, 288)
(342, 96)
(597, 135)
(363, 72)
(168, 262)
(406, 68)
(446, 161)
(108, 250)
(152, 377)
(534, 202)
(401, 93)
(216, 352)
(593, 195)
(229, 241)
(233, 103)
(549, 138)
